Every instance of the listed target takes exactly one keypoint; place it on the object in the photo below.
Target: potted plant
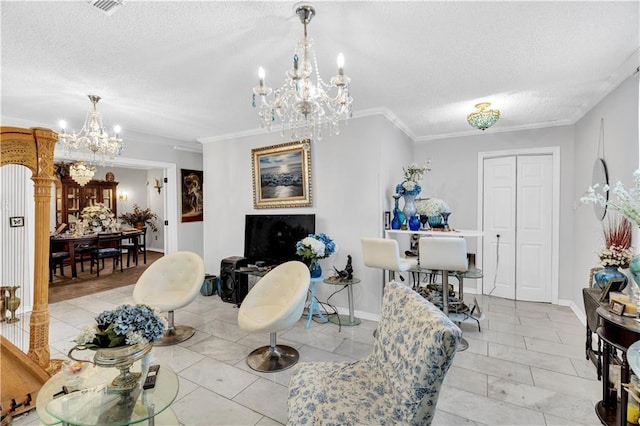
(138, 218)
(616, 252)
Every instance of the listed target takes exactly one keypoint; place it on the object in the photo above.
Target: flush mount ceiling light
(93, 143)
(483, 118)
(81, 173)
(304, 102)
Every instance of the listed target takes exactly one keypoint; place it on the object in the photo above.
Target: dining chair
(108, 246)
(56, 260)
(134, 247)
(83, 254)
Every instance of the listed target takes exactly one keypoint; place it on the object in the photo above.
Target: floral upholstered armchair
(397, 384)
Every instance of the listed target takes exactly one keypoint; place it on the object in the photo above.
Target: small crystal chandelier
(302, 104)
(93, 142)
(81, 173)
(483, 118)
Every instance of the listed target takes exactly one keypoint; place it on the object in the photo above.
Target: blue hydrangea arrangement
(125, 325)
(315, 246)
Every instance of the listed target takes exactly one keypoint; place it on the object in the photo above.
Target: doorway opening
(169, 189)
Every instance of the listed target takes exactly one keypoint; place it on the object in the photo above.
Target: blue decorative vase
(603, 276)
(634, 269)
(434, 221)
(315, 270)
(414, 222)
(396, 223)
(445, 219)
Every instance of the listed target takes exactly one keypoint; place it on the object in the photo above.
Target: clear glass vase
(409, 208)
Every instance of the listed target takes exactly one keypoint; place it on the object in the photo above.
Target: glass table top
(633, 357)
(91, 404)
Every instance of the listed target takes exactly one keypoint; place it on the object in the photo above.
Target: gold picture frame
(282, 175)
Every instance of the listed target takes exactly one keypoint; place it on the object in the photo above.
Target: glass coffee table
(89, 403)
(341, 319)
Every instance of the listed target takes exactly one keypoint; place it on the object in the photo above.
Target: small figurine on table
(349, 268)
(347, 273)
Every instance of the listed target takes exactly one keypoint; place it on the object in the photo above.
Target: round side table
(341, 319)
(314, 308)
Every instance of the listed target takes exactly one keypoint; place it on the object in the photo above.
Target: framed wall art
(191, 195)
(16, 221)
(282, 175)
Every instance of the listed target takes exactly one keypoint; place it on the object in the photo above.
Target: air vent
(108, 7)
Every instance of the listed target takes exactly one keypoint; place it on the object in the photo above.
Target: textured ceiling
(184, 70)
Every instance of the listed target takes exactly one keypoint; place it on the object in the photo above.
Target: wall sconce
(123, 196)
(158, 185)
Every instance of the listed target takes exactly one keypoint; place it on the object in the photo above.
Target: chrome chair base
(175, 335)
(272, 358)
(463, 345)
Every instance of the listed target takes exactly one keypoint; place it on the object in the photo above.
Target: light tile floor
(526, 366)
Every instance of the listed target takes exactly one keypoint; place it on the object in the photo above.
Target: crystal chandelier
(305, 102)
(81, 173)
(483, 118)
(93, 142)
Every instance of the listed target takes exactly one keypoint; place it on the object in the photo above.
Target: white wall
(620, 113)
(156, 201)
(454, 178)
(353, 177)
(190, 235)
(131, 181)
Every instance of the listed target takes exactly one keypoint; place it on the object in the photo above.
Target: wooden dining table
(72, 242)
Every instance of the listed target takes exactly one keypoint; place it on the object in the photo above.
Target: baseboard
(155, 250)
(576, 310)
(359, 314)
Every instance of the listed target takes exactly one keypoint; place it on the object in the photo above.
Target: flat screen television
(272, 238)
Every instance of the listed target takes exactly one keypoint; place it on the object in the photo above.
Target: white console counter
(391, 233)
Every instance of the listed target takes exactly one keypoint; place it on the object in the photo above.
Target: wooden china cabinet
(71, 198)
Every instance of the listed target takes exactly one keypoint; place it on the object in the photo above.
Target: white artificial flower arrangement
(432, 207)
(627, 203)
(97, 215)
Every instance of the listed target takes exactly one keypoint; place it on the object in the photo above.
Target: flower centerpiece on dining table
(433, 208)
(140, 217)
(409, 188)
(120, 337)
(627, 203)
(313, 248)
(97, 218)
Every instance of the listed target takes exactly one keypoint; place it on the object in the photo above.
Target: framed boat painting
(282, 175)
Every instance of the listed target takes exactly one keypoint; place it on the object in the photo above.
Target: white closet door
(499, 220)
(534, 228)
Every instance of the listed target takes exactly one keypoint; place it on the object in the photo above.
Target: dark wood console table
(616, 332)
(592, 301)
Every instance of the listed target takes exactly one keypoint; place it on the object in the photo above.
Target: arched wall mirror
(600, 177)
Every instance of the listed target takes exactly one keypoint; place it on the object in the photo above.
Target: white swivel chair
(444, 254)
(384, 253)
(275, 303)
(169, 283)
